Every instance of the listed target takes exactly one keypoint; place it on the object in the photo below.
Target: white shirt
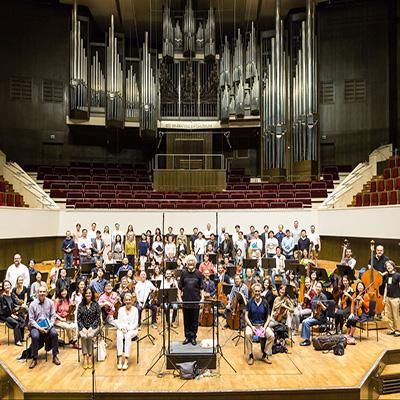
(235, 238)
(114, 235)
(314, 237)
(13, 272)
(207, 233)
(242, 245)
(255, 244)
(158, 257)
(280, 264)
(199, 246)
(91, 235)
(271, 245)
(168, 285)
(170, 248)
(84, 244)
(296, 234)
(129, 322)
(142, 290)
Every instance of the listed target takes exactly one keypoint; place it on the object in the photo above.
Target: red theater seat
(302, 186)
(83, 204)
(253, 196)
(206, 196)
(211, 205)
(294, 204)
(260, 204)
(151, 204)
(383, 199)
(381, 185)
(374, 199)
(221, 196)
(226, 205)
(101, 204)
(373, 186)
(389, 185)
(99, 178)
(278, 204)
(134, 204)
(125, 196)
(393, 197)
(237, 196)
(366, 199)
(91, 186)
(387, 173)
(269, 195)
(286, 186)
(123, 187)
(166, 205)
(118, 205)
(358, 199)
(243, 204)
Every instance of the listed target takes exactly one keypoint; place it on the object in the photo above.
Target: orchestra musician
(39, 310)
(391, 298)
(257, 316)
(107, 302)
(89, 324)
(63, 282)
(303, 310)
(268, 292)
(209, 290)
(36, 285)
(108, 260)
(123, 289)
(98, 284)
(348, 258)
(77, 296)
(127, 328)
(191, 290)
(238, 286)
(168, 283)
(282, 309)
(62, 308)
(250, 277)
(143, 288)
(221, 275)
(359, 308)
(206, 265)
(8, 303)
(54, 272)
(319, 306)
(344, 305)
(280, 266)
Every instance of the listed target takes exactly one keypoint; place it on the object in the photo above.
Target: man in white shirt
(170, 283)
(296, 233)
(280, 267)
(241, 244)
(200, 247)
(235, 236)
(288, 245)
(316, 241)
(208, 232)
(84, 243)
(255, 244)
(117, 232)
(221, 236)
(92, 233)
(17, 269)
(142, 289)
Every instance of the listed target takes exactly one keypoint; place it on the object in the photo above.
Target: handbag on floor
(327, 342)
(101, 350)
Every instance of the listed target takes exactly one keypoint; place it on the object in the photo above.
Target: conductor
(191, 284)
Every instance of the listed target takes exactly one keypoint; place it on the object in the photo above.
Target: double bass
(206, 312)
(372, 280)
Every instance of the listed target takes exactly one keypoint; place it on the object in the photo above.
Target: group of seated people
(94, 300)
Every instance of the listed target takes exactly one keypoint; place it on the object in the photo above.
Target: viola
(221, 295)
(317, 311)
(280, 313)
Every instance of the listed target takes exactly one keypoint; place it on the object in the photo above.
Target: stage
(303, 373)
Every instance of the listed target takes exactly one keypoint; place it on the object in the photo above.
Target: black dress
(8, 304)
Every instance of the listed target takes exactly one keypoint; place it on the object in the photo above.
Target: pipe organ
(79, 71)
(270, 75)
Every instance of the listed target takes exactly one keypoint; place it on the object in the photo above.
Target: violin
(71, 312)
(317, 311)
(280, 313)
(19, 310)
(358, 306)
(306, 300)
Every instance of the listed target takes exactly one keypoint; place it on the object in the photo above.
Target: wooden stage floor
(303, 373)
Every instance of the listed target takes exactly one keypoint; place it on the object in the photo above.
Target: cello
(372, 280)
(235, 317)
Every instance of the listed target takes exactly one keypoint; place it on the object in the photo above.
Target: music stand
(298, 269)
(321, 274)
(240, 300)
(156, 283)
(71, 289)
(112, 268)
(250, 263)
(231, 271)
(290, 292)
(148, 334)
(212, 258)
(177, 273)
(346, 270)
(32, 277)
(149, 272)
(167, 296)
(122, 273)
(70, 272)
(268, 263)
(86, 268)
(107, 275)
(147, 265)
(226, 289)
(171, 265)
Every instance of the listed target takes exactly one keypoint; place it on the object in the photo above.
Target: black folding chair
(371, 319)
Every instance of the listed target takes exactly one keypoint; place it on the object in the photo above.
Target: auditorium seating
(383, 189)
(8, 196)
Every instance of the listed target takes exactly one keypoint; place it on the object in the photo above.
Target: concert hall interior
(200, 199)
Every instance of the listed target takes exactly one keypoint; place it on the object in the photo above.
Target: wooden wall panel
(189, 181)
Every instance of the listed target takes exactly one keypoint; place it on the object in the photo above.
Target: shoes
(90, 365)
(154, 326)
(194, 342)
(84, 365)
(139, 328)
(266, 360)
(250, 361)
(19, 344)
(125, 366)
(295, 333)
(378, 316)
(174, 325)
(33, 364)
(56, 360)
(396, 334)
(226, 326)
(76, 346)
(391, 333)
(186, 341)
(119, 366)
(305, 343)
